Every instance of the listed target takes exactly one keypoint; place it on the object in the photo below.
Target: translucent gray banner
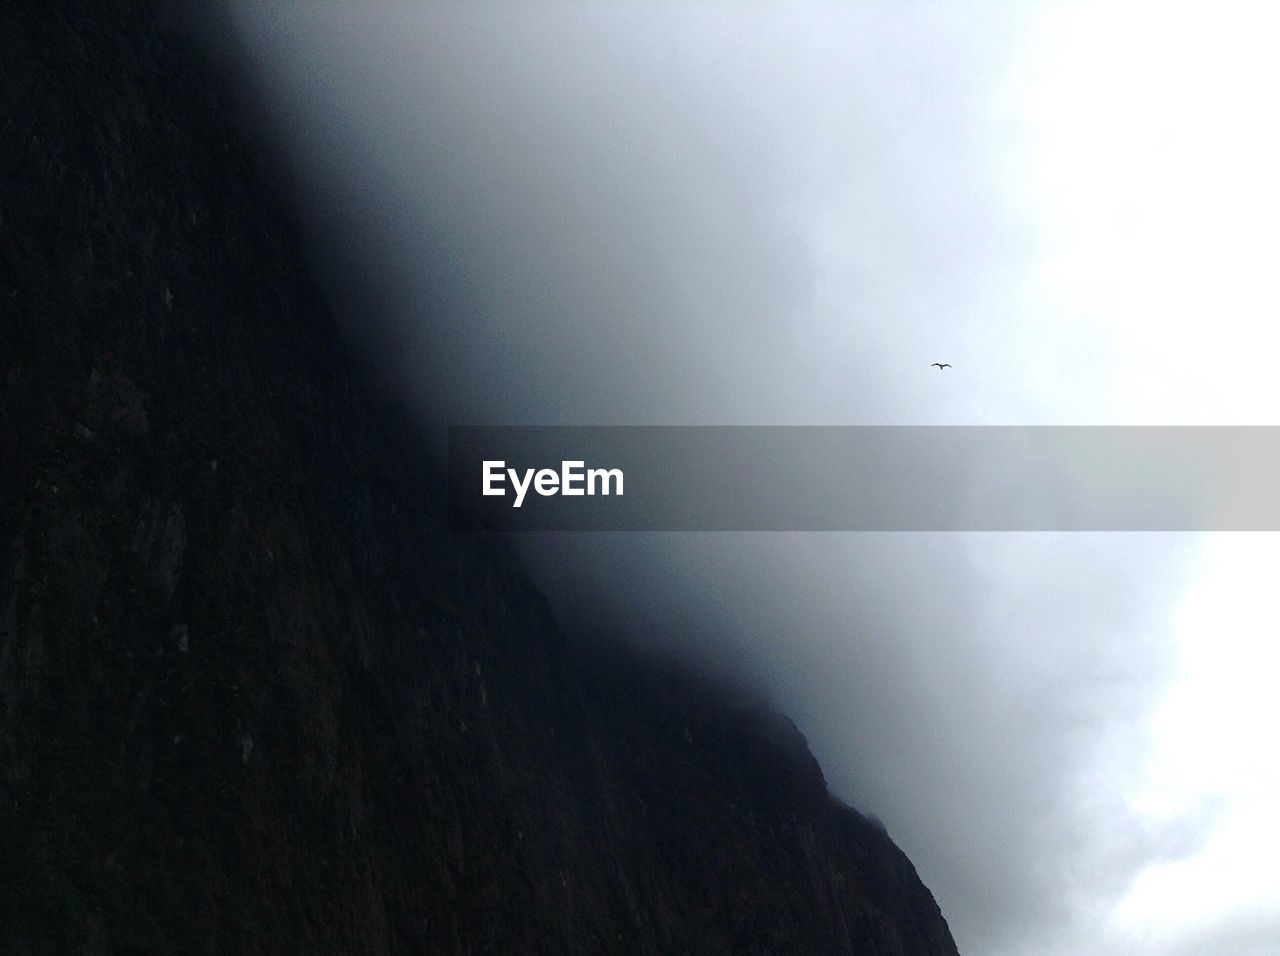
(865, 478)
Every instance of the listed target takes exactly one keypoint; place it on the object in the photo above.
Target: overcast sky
(768, 214)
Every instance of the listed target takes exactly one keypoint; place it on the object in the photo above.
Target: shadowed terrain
(254, 697)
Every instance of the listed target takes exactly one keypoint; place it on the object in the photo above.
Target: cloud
(749, 214)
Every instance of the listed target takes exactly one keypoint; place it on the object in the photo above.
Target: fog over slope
(639, 214)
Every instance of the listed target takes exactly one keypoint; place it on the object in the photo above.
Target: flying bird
(943, 364)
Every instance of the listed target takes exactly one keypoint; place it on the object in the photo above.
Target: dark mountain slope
(253, 697)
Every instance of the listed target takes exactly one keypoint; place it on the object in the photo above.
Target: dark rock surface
(253, 697)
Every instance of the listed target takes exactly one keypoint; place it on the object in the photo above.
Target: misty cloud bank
(626, 214)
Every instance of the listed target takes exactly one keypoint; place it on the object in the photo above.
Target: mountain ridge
(254, 695)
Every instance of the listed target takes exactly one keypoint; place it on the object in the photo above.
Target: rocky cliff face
(253, 696)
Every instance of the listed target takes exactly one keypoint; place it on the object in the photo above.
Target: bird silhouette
(943, 364)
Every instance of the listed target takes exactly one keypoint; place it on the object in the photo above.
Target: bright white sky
(1148, 145)
(1074, 203)
(1149, 172)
